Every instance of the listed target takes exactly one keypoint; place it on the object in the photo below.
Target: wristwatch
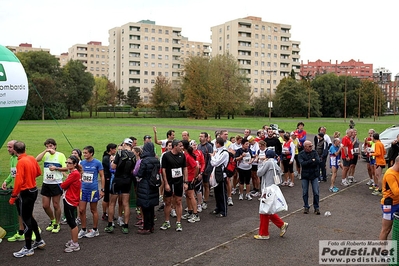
(102, 190)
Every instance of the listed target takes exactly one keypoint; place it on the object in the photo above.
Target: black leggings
(27, 200)
(70, 214)
(148, 217)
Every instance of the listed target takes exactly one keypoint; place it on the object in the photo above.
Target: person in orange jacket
(25, 194)
(379, 153)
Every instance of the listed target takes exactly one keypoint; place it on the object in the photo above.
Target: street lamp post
(270, 103)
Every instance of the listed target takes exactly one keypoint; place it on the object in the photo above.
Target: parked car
(386, 137)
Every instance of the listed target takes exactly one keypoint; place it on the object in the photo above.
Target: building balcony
(285, 60)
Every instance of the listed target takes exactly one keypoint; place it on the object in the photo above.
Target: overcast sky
(328, 30)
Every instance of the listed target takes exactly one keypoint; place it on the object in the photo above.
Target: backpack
(155, 178)
(231, 165)
(126, 164)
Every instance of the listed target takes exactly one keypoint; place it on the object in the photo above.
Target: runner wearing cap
(123, 165)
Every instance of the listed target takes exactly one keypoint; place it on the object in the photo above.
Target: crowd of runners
(186, 166)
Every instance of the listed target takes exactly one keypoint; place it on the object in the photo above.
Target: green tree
(112, 95)
(197, 95)
(78, 85)
(99, 94)
(133, 96)
(214, 87)
(162, 95)
(44, 78)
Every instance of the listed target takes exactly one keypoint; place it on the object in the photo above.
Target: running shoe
(161, 208)
(40, 245)
(317, 211)
(255, 194)
(56, 228)
(125, 230)
(82, 233)
(306, 210)
(370, 182)
(173, 213)
(73, 247)
(105, 217)
(16, 237)
(78, 221)
(24, 252)
(165, 225)
(120, 221)
(285, 183)
(50, 227)
(199, 208)
(109, 229)
(344, 183)
(63, 220)
(194, 218)
(333, 189)
(248, 197)
(92, 233)
(350, 179)
(230, 201)
(241, 197)
(186, 216)
(376, 192)
(204, 206)
(291, 184)
(283, 229)
(233, 191)
(139, 223)
(69, 243)
(259, 237)
(179, 228)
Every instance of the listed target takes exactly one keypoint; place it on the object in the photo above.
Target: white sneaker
(194, 218)
(204, 206)
(350, 179)
(241, 197)
(82, 233)
(233, 191)
(248, 197)
(92, 233)
(299, 176)
(173, 213)
(199, 208)
(370, 182)
(256, 194)
(120, 221)
(230, 201)
(345, 183)
(24, 252)
(73, 247)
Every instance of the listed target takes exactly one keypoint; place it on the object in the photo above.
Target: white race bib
(177, 172)
(13, 172)
(49, 175)
(333, 160)
(87, 177)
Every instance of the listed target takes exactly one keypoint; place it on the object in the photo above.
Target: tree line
(207, 87)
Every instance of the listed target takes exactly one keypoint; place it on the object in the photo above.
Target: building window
(166, 40)
(152, 73)
(145, 80)
(160, 65)
(145, 47)
(152, 56)
(152, 64)
(145, 73)
(166, 31)
(145, 29)
(228, 27)
(152, 30)
(160, 31)
(159, 39)
(159, 48)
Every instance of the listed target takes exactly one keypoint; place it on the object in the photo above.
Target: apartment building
(352, 68)
(63, 59)
(93, 55)
(26, 47)
(141, 51)
(264, 50)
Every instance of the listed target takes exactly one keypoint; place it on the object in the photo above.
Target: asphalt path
(355, 214)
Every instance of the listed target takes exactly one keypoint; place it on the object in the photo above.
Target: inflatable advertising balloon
(13, 92)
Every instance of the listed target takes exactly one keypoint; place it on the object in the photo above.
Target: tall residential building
(264, 50)
(352, 68)
(93, 55)
(26, 47)
(139, 52)
(62, 59)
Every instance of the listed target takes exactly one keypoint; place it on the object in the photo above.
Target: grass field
(101, 131)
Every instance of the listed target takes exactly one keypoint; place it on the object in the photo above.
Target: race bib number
(87, 178)
(333, 160)
(13, 172)
(48, 175)
(177, 172)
